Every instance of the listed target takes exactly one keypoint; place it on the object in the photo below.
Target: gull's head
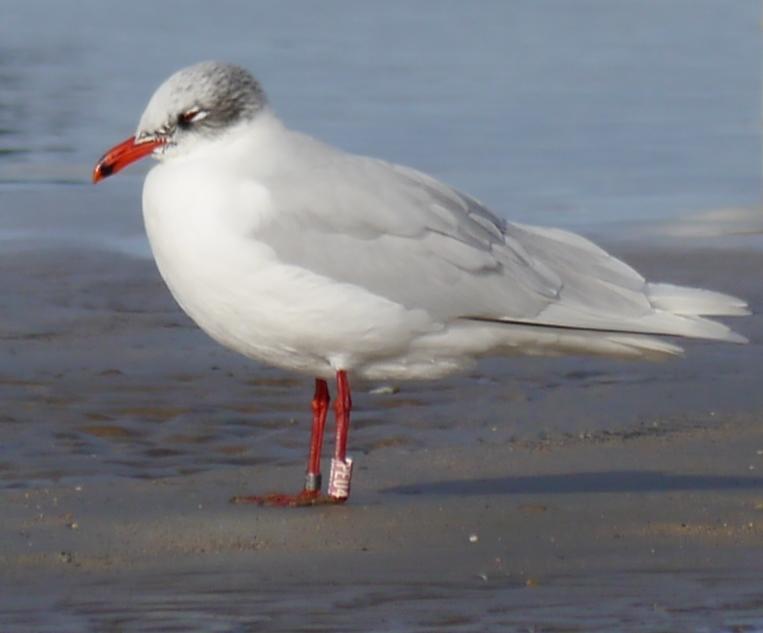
(198, 102)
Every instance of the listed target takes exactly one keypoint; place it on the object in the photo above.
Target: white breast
(201, 217)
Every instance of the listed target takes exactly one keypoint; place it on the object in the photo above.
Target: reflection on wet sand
(91, 354)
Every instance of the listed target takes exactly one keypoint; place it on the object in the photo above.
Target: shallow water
(556, 112)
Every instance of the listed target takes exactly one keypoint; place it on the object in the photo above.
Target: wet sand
(529, 494)
(641, 534)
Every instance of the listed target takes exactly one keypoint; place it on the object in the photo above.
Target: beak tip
(101, 170)
(121, 155)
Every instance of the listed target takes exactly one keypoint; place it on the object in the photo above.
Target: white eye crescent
(191, 116)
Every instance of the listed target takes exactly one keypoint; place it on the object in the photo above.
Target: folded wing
(402, 235)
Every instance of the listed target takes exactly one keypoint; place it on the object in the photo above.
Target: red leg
(311, 493)
(341, 465)
(320, 406)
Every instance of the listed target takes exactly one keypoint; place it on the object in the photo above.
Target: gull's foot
(278, 500)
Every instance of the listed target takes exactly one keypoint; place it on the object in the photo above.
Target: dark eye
(188, 118)
(185, 119)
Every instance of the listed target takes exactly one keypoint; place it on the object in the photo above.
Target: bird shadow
(586, 482)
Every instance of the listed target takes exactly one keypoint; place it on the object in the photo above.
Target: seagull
(299, 255)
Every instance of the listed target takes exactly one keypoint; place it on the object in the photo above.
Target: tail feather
(694, 301)
(676, 311)
(659, 323)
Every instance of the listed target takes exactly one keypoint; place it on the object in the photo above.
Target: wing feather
(405, 236)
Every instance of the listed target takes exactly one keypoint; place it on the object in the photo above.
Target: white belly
(204, 241)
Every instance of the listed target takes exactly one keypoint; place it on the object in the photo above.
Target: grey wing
(405, 236)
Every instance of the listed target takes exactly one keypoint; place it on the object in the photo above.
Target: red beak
(119, 156)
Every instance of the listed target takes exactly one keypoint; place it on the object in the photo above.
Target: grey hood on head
(206, 97)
